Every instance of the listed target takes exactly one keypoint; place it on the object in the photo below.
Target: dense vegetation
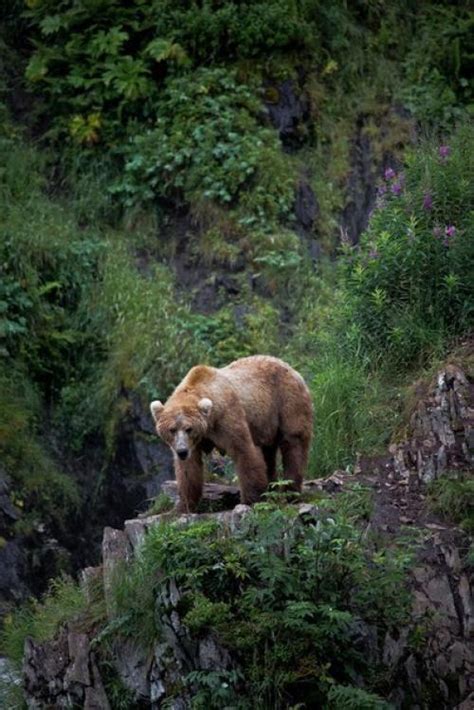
(275, 577)
(132, 131)
(278, 575)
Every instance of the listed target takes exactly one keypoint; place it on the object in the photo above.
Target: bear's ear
(205, 405)
(156, 408)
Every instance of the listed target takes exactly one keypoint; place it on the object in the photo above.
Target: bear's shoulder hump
(199, 375)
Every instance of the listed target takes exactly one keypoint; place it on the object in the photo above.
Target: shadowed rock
(440, 433)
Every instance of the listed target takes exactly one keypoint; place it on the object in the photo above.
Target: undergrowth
(42, 493)
(40, 620)
(276, 576)
(161, 110)
(452, 497)
(392, 305)
(318, 579)
(408, 289)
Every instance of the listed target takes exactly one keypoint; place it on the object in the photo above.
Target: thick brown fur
(249, 409)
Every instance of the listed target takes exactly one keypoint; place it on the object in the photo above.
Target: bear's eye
(188, 430)
(173, 430)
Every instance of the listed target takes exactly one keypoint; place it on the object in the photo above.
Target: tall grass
(353, 413)
(40, 620)
(452, 496)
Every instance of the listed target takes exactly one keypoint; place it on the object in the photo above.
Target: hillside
(186, 182)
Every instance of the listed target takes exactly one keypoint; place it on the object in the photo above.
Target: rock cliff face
(430, 661)
(132, 478)
(12, 557)
(441, 429)
(68, 668)
(64, 672)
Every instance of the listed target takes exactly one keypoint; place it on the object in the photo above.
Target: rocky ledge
(64, 672)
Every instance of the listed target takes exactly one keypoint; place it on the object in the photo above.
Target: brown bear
(249, 409)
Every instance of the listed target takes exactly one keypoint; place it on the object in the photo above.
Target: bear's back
(261, 368)
(269, 391)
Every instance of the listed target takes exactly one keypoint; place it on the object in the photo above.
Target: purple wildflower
(381, 190)
(397, 188)
(389, 174)
(450, 233)
(427, 201)
(444, 151)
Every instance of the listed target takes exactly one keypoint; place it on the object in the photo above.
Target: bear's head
(182, 426)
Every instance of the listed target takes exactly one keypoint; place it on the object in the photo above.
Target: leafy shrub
(274, 577)
(410, 285)
(209, 146)
(342, 697)
(207, 143)
(439, 66)
(279, 259)
(102, 65)
(46, 264)
(228, 334)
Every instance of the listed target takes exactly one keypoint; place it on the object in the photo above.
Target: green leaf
(162, 50)
(37, 67)
(51, 24)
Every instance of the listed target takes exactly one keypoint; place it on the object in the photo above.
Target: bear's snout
(182, 454)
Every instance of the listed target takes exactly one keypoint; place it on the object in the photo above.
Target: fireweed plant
(410, 284)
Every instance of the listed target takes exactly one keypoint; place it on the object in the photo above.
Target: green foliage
(206, 613)
(351, 413)
(161, 504)
(11, 691)
(410, 285)
(102, 65)
(356, 405)
(273, 578)
(46, 265)
(439, 66)
(119, 696)
(213, 688)
(145, 326)
(40, 620)
(207, 143)
(452, 496)
(355, 504)
(78, 315)
(228, 334)
(342, 697)
(46, 495)
(280, 260)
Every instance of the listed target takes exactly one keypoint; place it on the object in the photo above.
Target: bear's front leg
(189, 479)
